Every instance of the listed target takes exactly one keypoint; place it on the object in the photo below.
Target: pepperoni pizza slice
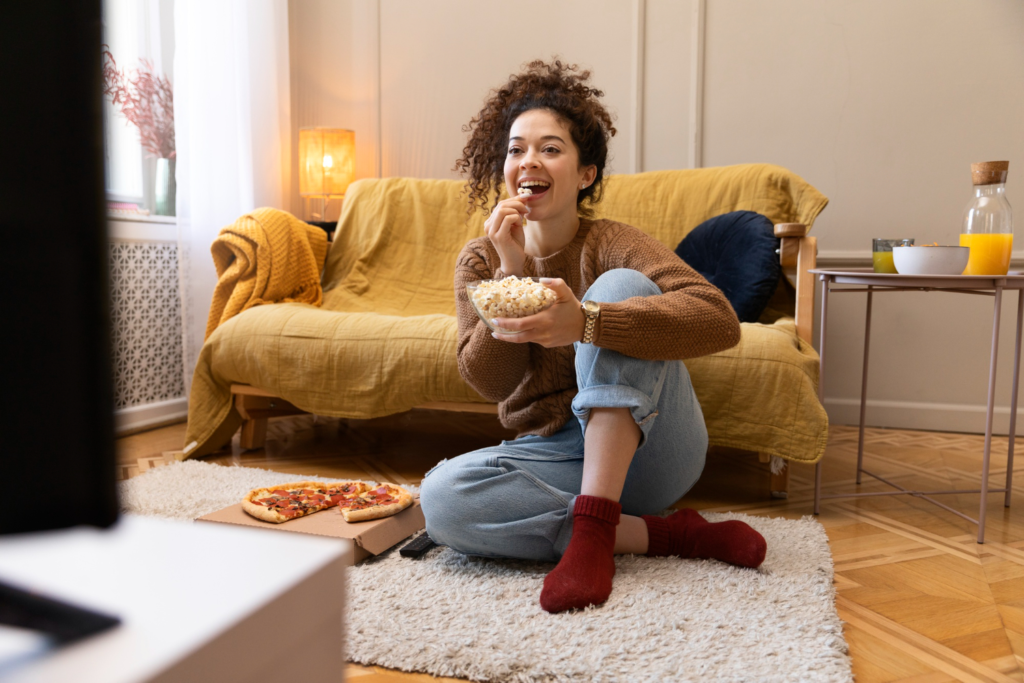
(376, 502)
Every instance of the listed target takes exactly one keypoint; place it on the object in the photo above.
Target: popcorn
(511, 298)
(525, 191)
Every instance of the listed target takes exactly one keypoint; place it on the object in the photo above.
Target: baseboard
(935, 417)
(149, 416)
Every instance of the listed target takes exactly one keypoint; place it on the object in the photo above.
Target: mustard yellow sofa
(384, 339)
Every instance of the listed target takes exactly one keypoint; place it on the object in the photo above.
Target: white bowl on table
(930, 260)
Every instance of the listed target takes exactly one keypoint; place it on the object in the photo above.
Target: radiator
(145, 307)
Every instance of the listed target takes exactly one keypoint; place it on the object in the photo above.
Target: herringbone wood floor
(921, 601)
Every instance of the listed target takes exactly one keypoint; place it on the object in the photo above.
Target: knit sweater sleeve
(690, 318)
(494, 368)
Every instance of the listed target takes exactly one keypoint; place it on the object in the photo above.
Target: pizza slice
(343, 491)
(376, 502)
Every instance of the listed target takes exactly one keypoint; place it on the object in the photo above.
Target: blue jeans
(516, 499)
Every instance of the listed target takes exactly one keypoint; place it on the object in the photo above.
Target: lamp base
(321, 208)
(326, 226)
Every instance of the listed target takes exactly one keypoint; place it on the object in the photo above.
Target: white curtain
(233, 134)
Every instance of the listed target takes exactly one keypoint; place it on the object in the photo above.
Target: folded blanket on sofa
(267, 256)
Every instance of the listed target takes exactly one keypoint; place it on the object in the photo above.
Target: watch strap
(588, 330)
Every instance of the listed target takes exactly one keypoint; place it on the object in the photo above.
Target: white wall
(881, 104)
(407, 76)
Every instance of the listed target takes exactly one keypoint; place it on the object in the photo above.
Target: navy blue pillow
(736, 252)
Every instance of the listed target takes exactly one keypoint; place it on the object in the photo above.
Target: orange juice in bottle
(988, 221)
(990, 254)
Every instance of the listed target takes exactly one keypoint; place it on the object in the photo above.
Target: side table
(866, 280)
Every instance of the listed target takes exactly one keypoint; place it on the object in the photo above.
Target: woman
(610, 431)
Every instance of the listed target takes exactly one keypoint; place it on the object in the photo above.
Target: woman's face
(541, 155)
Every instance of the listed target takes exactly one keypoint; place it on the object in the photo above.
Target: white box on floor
(198, 602)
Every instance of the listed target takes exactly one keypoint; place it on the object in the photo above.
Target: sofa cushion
(669, 204)
(395, 247)
(736, 252)
(758, 396)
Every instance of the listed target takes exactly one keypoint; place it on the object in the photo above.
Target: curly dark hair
(559, 88)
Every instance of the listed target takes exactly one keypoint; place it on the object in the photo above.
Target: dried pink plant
(145, 100)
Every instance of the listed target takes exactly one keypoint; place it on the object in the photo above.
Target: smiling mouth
(533, 188)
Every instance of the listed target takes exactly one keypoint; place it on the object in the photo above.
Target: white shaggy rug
(667, 619)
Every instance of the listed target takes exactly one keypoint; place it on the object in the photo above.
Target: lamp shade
(327, 161)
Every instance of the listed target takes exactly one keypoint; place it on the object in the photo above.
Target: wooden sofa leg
(780, 481)
(779, 484)
(254, 433)
(256, 406)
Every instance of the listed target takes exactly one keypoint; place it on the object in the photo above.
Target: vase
(165, 187)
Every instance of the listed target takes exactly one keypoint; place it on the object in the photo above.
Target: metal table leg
(989, 412)
(864, 386)
(825, 280)
(1013, 397)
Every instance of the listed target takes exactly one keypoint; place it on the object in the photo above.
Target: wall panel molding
(696, 151)
(438, 61)
(351, 62)
(637, 90)
(379, 100)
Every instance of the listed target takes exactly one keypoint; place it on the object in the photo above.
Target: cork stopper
(989, 172)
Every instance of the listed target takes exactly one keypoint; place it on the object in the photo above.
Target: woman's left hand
(561, 324)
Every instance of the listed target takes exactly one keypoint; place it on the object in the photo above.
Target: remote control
(417, 547)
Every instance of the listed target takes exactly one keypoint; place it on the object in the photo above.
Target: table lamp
(327, 166)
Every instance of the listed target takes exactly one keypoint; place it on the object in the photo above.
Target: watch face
(591, 307)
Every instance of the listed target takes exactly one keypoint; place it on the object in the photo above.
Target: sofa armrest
(798, 254)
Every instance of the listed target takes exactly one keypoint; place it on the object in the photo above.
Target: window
(134, 30)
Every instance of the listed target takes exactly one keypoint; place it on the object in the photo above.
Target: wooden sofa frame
(797, 253)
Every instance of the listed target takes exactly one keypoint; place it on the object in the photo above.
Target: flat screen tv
(58, 437)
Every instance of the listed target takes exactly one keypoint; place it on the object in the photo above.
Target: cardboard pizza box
(368, 538)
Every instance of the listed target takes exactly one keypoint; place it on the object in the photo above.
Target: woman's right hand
(504, 227)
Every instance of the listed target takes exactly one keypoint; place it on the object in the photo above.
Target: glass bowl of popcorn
(511, 297)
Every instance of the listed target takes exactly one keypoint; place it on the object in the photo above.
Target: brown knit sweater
(534, 386)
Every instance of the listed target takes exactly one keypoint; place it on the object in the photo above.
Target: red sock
(686, 534)
(584, 574)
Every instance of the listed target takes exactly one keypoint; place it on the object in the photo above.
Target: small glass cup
(881, 253)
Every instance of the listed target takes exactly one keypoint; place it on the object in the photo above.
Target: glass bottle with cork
(988, 221)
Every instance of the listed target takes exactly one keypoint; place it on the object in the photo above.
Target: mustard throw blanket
(267, 256)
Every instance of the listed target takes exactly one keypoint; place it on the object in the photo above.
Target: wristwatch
(591, 309)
